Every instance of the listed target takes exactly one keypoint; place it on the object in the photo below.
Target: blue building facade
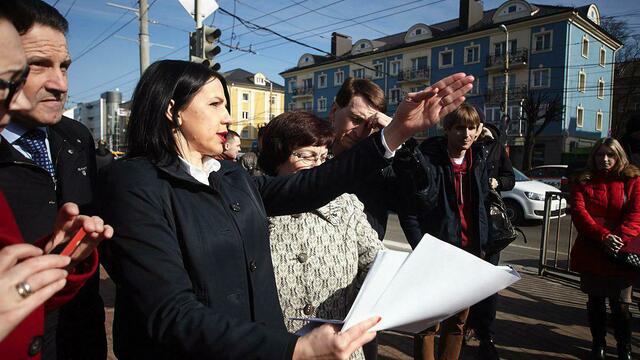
(559, 52)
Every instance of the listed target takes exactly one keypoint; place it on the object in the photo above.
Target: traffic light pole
(196, 14)
(144, 36)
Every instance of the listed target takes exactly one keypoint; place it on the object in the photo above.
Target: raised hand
(326, 342)
(421, 110)
(68, 222)
(27, 279)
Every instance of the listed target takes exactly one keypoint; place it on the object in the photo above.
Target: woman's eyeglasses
(310, 157)
(14, 86)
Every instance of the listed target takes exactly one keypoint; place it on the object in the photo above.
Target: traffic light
(203, 47)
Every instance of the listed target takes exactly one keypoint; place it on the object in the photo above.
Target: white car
(526, 199)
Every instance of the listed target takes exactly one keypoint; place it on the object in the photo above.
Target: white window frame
(291, 106)
(599, 120)
(245, 133)
(541, 34)
(582, 85)
(361, 70)
(320, 80)
(395, 66)
(476, 47)
(541, 85)
(475, 90)
(440, 65)
(291, 85)
(322, 104)
(579, 119)
(378, 74)
(600, 90)
(335, 77)
(602, 58)
(248, 97)
(391, 99)
(585, 41)
(310, 107)
(245, 115)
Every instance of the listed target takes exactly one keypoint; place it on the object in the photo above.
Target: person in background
(231, 147)
(606, 213)
(104, 157)
(249, 162)
(326, 252)
(451, 205)
(501, 178)
(191, 257)
(631, 139)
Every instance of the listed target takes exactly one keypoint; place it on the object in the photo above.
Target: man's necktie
(33, 142)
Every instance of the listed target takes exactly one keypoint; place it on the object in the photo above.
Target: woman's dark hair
(289, 131)
(150, 133)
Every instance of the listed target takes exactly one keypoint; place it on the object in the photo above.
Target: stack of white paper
(412, 291)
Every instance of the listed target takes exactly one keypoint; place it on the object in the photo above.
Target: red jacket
(25, 341)
(600, 207)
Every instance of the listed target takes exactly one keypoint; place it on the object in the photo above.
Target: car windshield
(520, 176)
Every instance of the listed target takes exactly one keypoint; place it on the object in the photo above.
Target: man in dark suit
(45, 161)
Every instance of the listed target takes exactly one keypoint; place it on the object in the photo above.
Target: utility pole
(144, 35)
(196, 14)
(505, 114)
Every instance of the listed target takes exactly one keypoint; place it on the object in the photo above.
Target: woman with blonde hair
(606, 213)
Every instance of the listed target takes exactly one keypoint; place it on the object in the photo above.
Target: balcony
(302, 92)
(496, 95)
(517, 58)
(418, 75)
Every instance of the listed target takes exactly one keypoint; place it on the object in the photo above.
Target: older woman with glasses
(320, 257)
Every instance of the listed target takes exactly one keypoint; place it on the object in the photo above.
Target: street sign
(207, 7)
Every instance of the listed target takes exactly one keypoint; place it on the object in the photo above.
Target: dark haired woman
(320, 257)
(606, 213)
(191, 258)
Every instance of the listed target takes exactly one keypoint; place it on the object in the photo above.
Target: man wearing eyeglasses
(47, 160)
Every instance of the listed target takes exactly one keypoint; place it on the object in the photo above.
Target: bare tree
(539, 109)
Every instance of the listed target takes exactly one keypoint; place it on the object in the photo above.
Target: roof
(447, 29)
(244, 77)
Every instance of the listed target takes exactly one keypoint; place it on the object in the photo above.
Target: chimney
(471, 12)
(340, 44)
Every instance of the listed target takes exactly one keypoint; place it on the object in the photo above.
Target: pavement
(539, 318)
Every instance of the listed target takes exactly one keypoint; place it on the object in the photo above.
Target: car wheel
(514, 212)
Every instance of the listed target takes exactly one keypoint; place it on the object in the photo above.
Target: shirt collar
(202, 175)
(14, 131)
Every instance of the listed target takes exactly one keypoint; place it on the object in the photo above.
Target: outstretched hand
(421, 110)
(68, 222)
(326, 342)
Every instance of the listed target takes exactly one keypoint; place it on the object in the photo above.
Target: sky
(103, 39)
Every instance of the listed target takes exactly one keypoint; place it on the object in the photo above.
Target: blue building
(559, 51)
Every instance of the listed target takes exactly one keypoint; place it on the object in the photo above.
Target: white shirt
(14, 131)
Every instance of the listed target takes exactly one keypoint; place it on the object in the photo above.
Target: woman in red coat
(606, 213)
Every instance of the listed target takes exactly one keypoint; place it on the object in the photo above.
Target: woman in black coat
(190, 257)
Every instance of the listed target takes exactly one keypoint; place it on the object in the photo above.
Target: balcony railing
(516, 57)
(496, 95)
(422, 74)
(302, 91)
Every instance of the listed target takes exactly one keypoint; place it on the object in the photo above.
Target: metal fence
(558, 236)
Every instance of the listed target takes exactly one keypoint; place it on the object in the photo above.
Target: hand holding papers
(414, 291)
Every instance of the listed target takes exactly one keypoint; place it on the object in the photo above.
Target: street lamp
(505, 114)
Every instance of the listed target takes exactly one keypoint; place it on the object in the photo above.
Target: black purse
(501, 230)
(629, 254)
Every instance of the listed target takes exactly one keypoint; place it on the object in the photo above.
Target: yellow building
(254, 101)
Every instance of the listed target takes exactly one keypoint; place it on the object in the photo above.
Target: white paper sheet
(414, 291)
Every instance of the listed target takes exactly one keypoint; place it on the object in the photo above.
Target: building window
(358, 73)
(475, 90)
(542, 41)
(245, 96)
(599, 121)
(245, 133)
(582, 80)
(446, 59)
(245, 115)
(292, 85)
(601, 88)
(512, 9)
(603, 56)
(379, 70)
(322, 104)
(307, 83)
(292, 106)
(394, 96)
(580, 116)
(272, 100)
(322, 81)
(259, 80)
(395, 67)
(499, 48)
(541, 78)
(585, 46)
(472, 54)
(338, 78)
(418, 31)
(308, 105)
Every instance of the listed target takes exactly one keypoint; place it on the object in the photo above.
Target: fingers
(34, 265)
(448, 80)
(10, 255)
(359, 334)
(29, 304)
(42, 279)
(457, 89)
(452, 106)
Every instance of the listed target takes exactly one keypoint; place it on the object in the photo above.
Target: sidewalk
(538, 318)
